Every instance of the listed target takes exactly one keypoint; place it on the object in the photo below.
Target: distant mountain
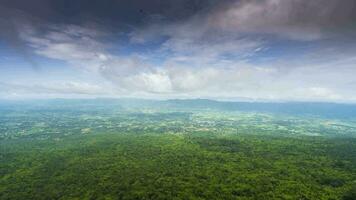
(328, 110)
(332, 110)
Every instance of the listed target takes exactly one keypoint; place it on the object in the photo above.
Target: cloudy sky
(275, 50)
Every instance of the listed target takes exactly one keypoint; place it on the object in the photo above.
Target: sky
(253, 50)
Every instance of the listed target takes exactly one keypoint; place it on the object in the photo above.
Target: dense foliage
(131, 154)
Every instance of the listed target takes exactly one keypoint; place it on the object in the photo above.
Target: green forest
(141, 152)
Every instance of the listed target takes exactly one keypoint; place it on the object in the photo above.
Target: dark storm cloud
(296, 19)
(10, 31)
(272, 16)
(112, 12)
(112, 16)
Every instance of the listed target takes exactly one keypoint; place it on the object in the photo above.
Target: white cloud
(207, 56)
(75, 45)
(53, 88)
